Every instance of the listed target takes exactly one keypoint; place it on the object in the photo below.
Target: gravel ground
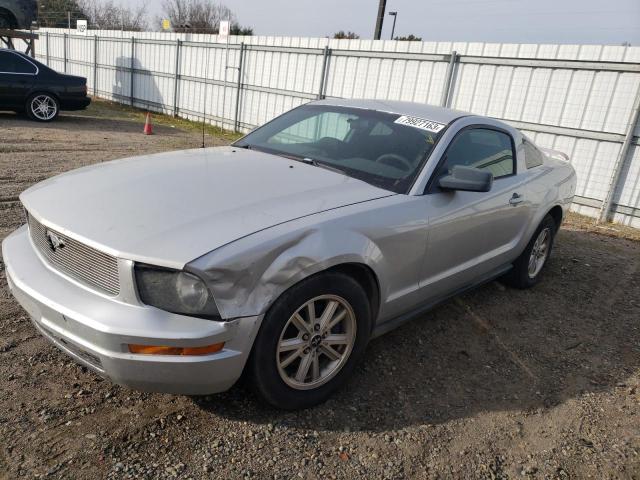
(497, 383)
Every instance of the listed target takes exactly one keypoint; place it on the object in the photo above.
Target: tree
(200, 16)
(348, 35)
(237, 29)
(409, 38)
(55, 13)
(105, 14)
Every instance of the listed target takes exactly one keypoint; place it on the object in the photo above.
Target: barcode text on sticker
(421, 123)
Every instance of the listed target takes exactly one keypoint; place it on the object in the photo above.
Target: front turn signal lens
(164, 350)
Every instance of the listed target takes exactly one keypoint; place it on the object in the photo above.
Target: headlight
(175, 291)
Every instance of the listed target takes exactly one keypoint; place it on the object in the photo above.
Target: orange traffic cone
(148, 128)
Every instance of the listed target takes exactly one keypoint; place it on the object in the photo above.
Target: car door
(473, 234)
(17, 76)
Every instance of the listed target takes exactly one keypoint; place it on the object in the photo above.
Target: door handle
(516, 198)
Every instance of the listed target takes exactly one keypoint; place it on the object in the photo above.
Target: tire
(521, 276)
(5, 22)
(282, 339)
(42, 107)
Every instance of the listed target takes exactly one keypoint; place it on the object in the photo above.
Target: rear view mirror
(467, 179)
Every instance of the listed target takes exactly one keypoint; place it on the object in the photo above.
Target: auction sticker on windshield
(421, 123)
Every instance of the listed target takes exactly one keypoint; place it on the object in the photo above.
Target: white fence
(580, 99)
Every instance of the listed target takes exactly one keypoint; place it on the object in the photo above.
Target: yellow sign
(166, 24)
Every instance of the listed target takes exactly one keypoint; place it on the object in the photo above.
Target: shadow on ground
(494, 349)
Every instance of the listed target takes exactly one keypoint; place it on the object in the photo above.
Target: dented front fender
(387, 235)
(251, 280)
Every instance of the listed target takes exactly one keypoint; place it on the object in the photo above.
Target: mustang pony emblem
(55, 242)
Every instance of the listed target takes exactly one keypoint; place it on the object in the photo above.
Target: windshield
(384, 149)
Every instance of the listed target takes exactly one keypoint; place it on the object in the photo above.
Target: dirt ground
(497, 383)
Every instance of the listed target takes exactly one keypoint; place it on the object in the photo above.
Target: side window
(327, 124)
(23, 66)
(532, 156)
(6, 63)
(481, 148)
(12, 63)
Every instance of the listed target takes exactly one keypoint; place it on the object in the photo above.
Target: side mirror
(467, 179)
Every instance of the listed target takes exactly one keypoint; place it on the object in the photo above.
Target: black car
(27, 85)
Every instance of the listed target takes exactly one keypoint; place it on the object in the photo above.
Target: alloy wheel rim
(44, 107)
(316, 342)
(539, 252)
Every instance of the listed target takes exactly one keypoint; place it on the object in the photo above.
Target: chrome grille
(87, 265)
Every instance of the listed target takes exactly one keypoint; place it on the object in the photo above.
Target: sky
(503, 21)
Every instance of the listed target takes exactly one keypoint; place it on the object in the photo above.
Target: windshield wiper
(270, 151)
(297, 158)
(316, 163)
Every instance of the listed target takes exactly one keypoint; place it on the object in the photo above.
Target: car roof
(422, 110)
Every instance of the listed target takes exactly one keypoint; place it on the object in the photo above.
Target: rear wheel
(310, 341)
(42, 107)
(527, 269)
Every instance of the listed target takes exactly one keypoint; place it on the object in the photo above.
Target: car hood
(170, 208)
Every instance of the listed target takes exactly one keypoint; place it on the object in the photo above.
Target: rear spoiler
(556, 154)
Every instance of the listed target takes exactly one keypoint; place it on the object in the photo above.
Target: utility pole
(381, 9)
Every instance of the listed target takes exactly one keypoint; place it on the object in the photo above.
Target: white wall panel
(578, 101)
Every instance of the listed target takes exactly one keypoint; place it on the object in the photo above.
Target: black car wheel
(42, 107)
(529, 266)
(310, 341)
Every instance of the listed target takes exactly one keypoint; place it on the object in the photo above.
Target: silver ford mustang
(282, 255)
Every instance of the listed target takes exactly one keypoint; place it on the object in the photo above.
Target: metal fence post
(605, 210)
(95, 65)
(447, 91)
(64, 45)
(323, 74)
(131, 79)
(47, 46)
(236, 120)
(176, 78)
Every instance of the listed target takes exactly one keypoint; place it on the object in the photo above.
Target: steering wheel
(322, 147)
(393, 159)
(329, 142)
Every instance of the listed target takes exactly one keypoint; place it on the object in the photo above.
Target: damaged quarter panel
(388, 235)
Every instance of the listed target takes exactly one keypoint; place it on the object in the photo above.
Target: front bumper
(95, 329)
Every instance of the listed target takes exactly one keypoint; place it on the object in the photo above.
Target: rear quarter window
(532, 156)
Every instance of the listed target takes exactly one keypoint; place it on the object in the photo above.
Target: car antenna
(203, 120)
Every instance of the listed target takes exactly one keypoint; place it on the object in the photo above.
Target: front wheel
(42, 107)
(310, 341)
(528, 267)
